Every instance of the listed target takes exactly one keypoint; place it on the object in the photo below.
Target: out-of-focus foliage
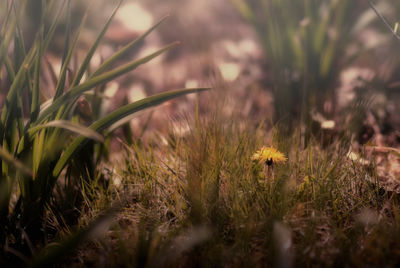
(307, 45)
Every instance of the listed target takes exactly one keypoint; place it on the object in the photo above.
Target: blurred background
(330, 65)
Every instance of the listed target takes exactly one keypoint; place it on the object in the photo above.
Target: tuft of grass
(305, 44)
(200, 200)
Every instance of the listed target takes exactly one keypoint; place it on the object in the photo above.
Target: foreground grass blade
(380, 16)
(92, 50)
(125, 49)
(9, 28)
(114, 117)
(95, 81)
(18, 165)
(73, 127)
(16, 87)
(50, 33)
(35, 103)
(68, 33)
(66, 60)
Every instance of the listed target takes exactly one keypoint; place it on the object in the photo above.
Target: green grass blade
(321, 32)
(17, 84)
(19, 56)
(37, 151)
(69, 52)
(125, 49)
(137, 106)
(9, 27)
(71, 126)
(114, 117)
(50, 33)
(18, 165)
(35, 103)
(9, 68)
(19, 120)
(67, 34)
(6, 20)
(5, 194)
(19, 49)
(95, 81)
(92, 50)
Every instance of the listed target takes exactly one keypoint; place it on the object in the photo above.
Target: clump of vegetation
(47, 148)
(201, 201)
(304, 42)
(306, 46)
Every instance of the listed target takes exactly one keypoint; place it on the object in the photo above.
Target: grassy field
(200, 201)
(276, 172)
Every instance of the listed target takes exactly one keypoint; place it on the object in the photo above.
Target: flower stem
(268, 171)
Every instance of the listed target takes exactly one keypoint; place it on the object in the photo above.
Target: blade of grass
(37, 151)
(78, 90)
(9, 68)
(17, 86)
(18, 118)
(9, 33)
(71, 126)
(92, 50)
(69, 52)
(35, 103)
(19, 49)
(67, 34)
(120, 53)
(53, 26)
(114, 117)
(18, 165)
(382, 18)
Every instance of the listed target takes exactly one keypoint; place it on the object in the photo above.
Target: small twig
(371, 4)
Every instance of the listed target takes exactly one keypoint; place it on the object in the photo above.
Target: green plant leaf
(18, 165)
(16, 87)
(108, 76)
(93, 48)
(71, 126)
(35, 103)
(120, 53)
(50, 33)
(69, 51)
(114, 117)
(9, 28)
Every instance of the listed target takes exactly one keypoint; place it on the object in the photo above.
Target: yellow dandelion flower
(269, 156)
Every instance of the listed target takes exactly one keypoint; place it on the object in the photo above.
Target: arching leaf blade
(114, 117)
(120, 53)
(71, 126)
(95, 81)
(18, 165)
(93, 48)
